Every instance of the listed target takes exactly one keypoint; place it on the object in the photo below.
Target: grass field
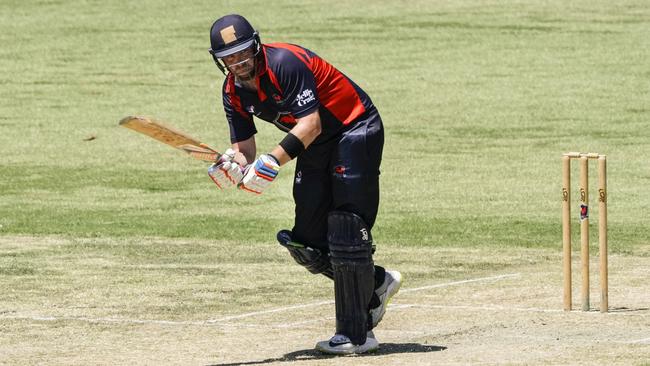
(117, 249)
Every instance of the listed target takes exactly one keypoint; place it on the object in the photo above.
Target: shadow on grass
(312, 354)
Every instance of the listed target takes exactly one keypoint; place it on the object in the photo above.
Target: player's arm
(301, 100)
(247, 148)
(240, 123)
(265, 168)
(305, 131)
(228, 171)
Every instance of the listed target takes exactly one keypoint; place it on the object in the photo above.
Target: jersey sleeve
(298, 85)
(240, 121)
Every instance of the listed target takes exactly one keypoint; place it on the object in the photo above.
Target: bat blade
(171, 136)
(201, 153)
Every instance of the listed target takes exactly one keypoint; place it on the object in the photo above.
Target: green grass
(194, 279)
(129, 278)
(479, 100)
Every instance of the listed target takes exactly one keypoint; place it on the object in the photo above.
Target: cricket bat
(172, 137)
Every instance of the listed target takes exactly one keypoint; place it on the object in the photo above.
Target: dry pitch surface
(509, 317)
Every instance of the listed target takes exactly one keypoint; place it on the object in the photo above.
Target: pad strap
(313, 259)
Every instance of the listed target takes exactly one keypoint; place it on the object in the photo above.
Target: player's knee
(310, 236)
(313, 259)
(349, 238)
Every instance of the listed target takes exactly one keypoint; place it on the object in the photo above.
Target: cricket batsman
(335, 133)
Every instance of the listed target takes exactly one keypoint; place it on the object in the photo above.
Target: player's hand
(260, 174)
(225, 172)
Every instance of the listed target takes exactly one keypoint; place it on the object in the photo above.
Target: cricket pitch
(492, 308)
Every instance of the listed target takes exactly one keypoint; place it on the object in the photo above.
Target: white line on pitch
(320, 303)
(511, 275)
(509, 308)
(270, 311)
(481, 308)
(103, 320)
(639, 341)
(393, 306)
(241, 316)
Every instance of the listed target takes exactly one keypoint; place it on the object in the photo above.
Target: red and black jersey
(293, 83)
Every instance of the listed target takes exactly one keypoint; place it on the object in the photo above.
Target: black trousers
(341, 174)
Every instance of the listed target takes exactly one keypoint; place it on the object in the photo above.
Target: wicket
(584, 226)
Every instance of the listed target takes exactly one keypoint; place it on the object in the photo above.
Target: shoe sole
(351, 351)
(392, 293)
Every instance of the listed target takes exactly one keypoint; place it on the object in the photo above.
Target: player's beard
(247, 74)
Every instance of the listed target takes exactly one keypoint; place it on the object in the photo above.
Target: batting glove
(225, 172)
(260, 174)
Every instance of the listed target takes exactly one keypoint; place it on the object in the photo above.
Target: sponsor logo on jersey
(305, 97)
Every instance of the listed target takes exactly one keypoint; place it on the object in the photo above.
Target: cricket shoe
(388, 289)
(341, 345)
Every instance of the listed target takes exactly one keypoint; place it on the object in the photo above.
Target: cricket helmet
(231, 34)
